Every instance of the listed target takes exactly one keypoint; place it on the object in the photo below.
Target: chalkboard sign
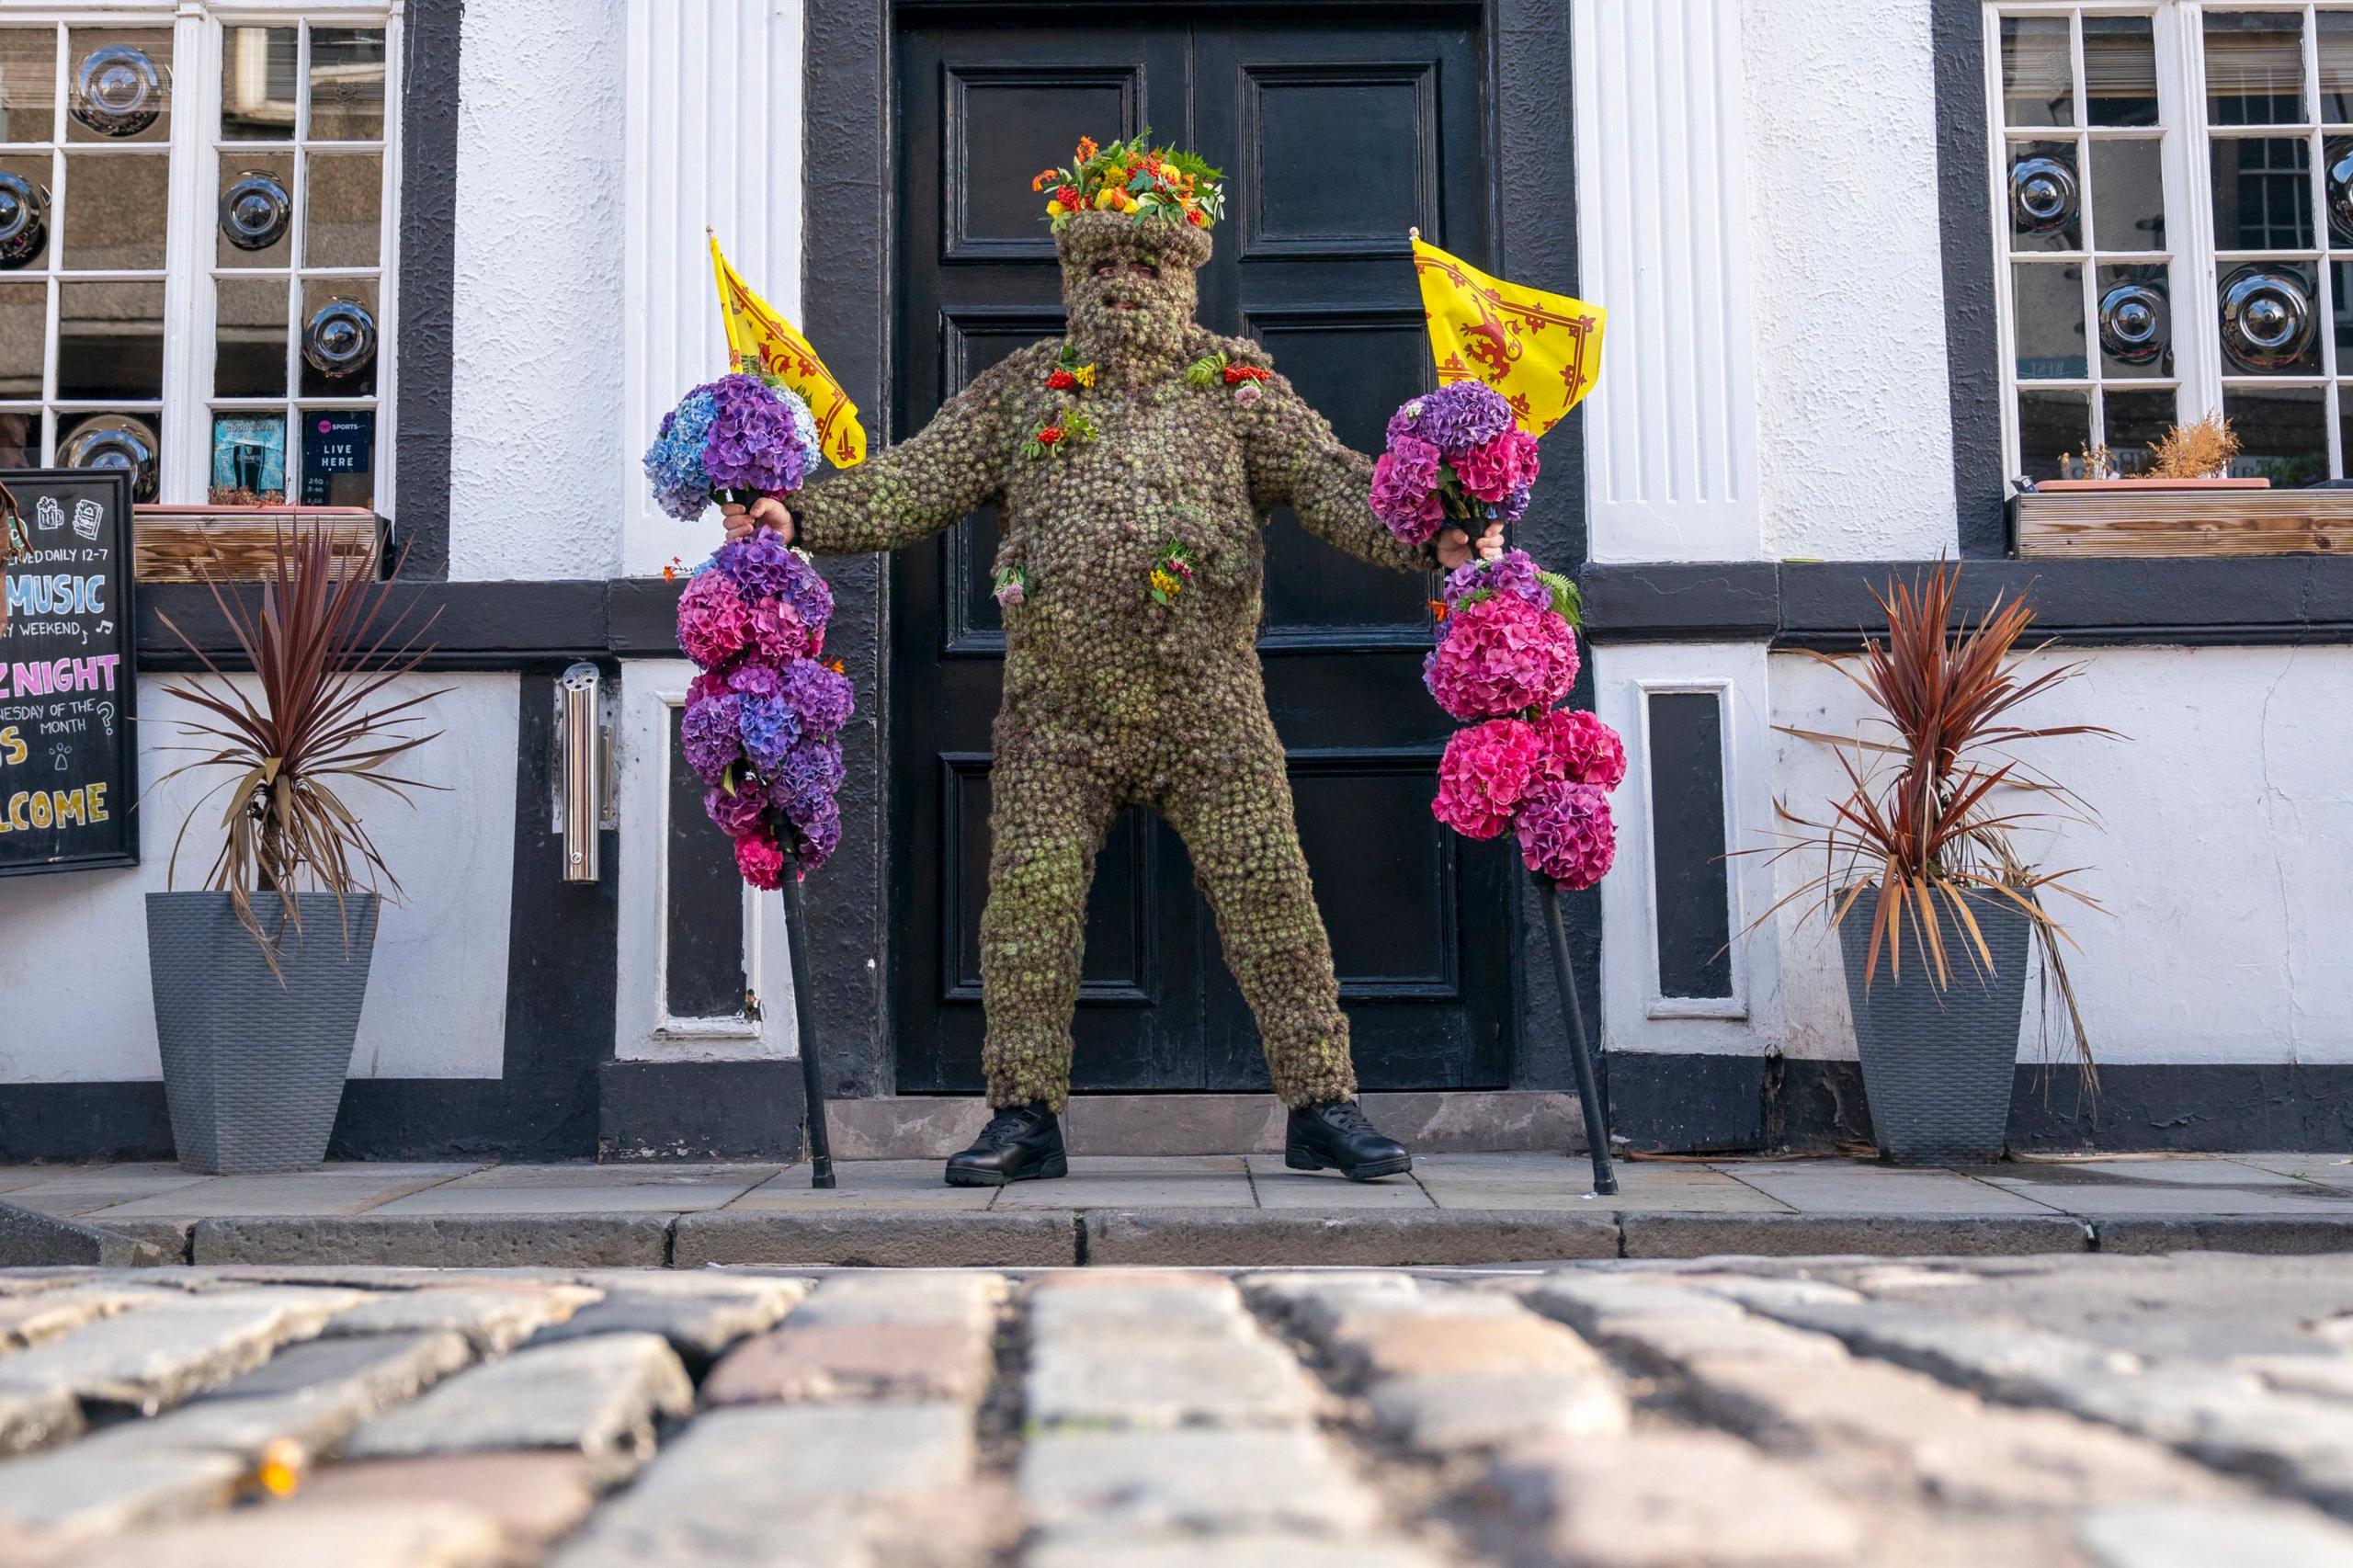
(69, 768)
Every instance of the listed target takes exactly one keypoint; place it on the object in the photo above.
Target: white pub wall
(74, 966)
(2225, 832)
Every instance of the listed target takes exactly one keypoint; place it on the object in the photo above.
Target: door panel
(1336, 139)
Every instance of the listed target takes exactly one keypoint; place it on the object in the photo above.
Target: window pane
(248, 461)
(28, 220)
(249, 355)
(112, 441)
(27, 83)
(2335, 41)
(23, 323)
(110, 340)
(346, 83)
(337, 464)
(114, 212)
(2263, 193)
(2255, 67)
(118, 84)
(19, 438)
(2038, 77)
(2136, 421)
(338, 338)
(346, 196)
(2282, 432)
(2270, 319)
(2046, 197)
(2340, 278)
(2135, 322)
(2337, 159)
(2050, 314)
(254, 225)
(2120, 71)
(259, 71)
(2128, 195)
(2052, 426)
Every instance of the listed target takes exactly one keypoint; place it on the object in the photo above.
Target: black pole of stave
(804, 1015)
(1565, 974)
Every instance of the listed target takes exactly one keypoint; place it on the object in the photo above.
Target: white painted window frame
(1657, 1004)
(2194, 294)
(651, 691)
(184, 414)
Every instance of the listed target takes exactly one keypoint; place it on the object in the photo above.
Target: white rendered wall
(2222, 857)
(538, 314)
(74, 968)
(1854, 422)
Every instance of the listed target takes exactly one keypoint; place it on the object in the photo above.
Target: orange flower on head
(1045, 180)
(1087, 148)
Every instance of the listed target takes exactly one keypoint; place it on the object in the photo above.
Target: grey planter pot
(254, 1063)
(1938, 1065)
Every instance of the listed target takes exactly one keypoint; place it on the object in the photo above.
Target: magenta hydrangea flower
(1455, 418)
(820, 698)
(769, 727)
(714, 623)
(706, 685)
(811, 598)
(1495, 467)
(1487, 771)
(1501, 656)
(777, 634)
(755, 444)
(1406, 490)
(759, 861)
(1587, 750)
(1566, 835)
(710, 738)
(738, 813)
(759, 562)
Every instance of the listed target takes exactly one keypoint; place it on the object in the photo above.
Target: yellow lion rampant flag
(760, 339)
(1541, 351)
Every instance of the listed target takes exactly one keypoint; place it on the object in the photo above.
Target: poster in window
(338, 457)
(248, 460)
(68, 687)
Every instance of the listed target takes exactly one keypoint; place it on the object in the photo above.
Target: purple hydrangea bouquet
(736, 440)
(1506, 652)
(763, 721)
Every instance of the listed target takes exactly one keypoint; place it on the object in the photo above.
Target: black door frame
(849, 264)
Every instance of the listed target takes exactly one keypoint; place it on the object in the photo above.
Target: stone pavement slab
(584, 1190)
(866, 1184)
(463, 1241)
(1277, 1185)
(1532, 1182)
(491, 1320)
(338, 1188)
(75, 1190)
(371, 1535)
(1200, 1181)
(2329, 1170)
(2096, 1194)
(158, 1355)
(1855, 1186)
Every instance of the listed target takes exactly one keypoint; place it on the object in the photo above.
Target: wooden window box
(2180, 517)
(238, 544)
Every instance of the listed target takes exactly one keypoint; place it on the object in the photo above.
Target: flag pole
(1565, 974)
(804, 1019)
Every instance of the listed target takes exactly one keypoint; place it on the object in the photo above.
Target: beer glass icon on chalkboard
(48, 516)
(86, 520)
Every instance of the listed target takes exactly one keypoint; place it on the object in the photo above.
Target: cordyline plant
(324, 656)
(1929, 818)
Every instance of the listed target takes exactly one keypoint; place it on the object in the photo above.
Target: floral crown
(1136, 179)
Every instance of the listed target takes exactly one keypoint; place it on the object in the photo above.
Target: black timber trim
(1826, 605)
(1973, 339)
(428, 272)
(2083, 603)
(700, 1111)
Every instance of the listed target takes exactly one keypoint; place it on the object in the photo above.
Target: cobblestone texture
(2079, 1412)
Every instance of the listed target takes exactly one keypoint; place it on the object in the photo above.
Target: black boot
(1020, 1143)
(1335, 1136)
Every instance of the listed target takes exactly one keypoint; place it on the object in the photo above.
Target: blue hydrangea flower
(769, 727)
(674, 462)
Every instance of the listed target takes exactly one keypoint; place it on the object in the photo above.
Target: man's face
(1134, 299)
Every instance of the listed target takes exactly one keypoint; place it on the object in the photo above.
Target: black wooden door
(1336, 139)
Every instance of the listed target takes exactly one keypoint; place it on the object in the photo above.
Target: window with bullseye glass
(2173, 187)
(196, 249)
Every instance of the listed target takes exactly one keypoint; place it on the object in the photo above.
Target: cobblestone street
(2195, 1409)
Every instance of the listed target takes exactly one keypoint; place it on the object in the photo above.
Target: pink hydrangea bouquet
(1457, 455)
(764, 718)
(1506, 655)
